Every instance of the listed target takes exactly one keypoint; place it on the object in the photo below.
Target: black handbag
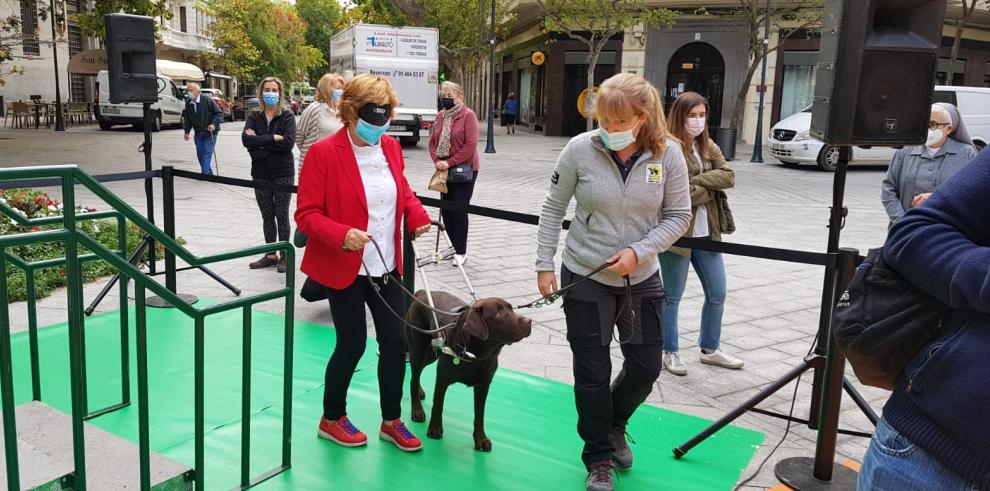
(882, 320)
(312, 291)
(460, 174)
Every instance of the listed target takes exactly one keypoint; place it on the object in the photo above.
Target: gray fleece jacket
(648, 212)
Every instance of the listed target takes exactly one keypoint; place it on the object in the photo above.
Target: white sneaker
(672, 362)
(458, 260)
(722, 359)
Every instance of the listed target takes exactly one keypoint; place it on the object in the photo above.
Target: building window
(182, 19)
(75, 39)
(29, 27)
(798, 85)
(72, 5)
(958, 75)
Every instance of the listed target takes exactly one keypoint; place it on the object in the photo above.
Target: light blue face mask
(370, 133)
(337, 93)
(271, 99)
(616, 141)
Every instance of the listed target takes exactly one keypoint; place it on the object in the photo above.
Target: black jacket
(270, 159)
(207, 112)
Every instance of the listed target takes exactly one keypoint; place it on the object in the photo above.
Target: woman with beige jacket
(707, 173)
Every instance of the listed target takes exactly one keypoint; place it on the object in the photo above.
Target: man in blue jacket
(935, 431)
(203, 115)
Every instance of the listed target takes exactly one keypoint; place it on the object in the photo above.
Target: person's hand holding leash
(625, 261)
(547, 282)
(356, 239)
(442, 165)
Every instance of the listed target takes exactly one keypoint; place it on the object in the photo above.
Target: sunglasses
(934, 125)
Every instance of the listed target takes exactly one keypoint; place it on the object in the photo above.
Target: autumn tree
(90, 16)
(321, 16)
(594, 22)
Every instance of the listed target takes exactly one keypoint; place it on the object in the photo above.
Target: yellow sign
(538, 58)
(580, 102)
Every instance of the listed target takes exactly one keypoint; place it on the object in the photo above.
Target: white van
(791, 143)
(167, 111)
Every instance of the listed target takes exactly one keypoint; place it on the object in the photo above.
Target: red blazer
(331, 201)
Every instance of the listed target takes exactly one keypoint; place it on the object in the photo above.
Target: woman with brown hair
(629, 182)
(352, 189)
(708, 174)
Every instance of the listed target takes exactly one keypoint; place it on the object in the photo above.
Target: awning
(177, 70)
(88, 62)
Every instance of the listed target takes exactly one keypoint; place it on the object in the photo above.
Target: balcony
(186, 40)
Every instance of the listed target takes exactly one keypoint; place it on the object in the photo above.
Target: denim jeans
(895, 463)
(205, 142)
(711, 272)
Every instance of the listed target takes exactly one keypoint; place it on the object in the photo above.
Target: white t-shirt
(381, 193)
(700, 212)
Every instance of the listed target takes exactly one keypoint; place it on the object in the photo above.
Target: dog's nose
(528, 324)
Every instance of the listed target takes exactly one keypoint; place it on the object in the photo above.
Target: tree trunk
(593, 52)
(740, 107)
(956, 42)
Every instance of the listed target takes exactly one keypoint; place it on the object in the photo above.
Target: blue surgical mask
(337, 93)
(271, 99)
(616, 141)
(370, 133)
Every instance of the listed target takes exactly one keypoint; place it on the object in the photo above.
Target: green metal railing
(73, 238)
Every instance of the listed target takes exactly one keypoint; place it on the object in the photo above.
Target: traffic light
(443, 77)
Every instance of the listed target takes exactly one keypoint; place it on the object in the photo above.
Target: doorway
(698, 67)
(576, 81)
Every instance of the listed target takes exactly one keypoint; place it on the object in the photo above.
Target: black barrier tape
(46, 183)
(785, 255)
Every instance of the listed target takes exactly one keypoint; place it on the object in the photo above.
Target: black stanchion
(149, 187)
(168, 198)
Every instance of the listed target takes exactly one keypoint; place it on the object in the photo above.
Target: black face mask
(375, 114)
(447, 103)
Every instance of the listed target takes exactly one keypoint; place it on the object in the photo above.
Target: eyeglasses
(934, 125)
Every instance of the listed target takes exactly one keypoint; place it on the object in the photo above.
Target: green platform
(531, 420)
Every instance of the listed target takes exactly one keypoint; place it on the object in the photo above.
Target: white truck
(408, 57)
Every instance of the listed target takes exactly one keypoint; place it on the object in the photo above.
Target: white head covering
(959, 132)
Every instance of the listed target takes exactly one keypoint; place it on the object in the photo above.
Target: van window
(176, 93)
(945, 96)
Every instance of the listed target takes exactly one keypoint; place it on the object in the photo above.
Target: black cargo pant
(456, 222)
(592, 310)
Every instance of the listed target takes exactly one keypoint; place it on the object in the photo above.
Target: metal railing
(74, 238)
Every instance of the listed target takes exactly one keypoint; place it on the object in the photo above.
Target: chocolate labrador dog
(481, 329)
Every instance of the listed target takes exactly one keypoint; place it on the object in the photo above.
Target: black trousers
(274, 207)
(591, 310)
(350, 325)
(457, 221)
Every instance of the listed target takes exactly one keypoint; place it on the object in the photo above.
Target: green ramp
(530, 420)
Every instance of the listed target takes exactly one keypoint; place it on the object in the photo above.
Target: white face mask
(934, 138)
(695, 126)
(618, 140)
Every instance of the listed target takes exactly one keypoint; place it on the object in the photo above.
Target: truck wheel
(105, 125)
(409, 141)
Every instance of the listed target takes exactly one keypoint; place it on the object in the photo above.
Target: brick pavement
(771, 311)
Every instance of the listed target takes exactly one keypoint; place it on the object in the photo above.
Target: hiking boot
(397, 433)
(672, 362)
(342, 432)
(721, 359)
(266, 261)
(600, 476)
(621, 454)
(281, 264)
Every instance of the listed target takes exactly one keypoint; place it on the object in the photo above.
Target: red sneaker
(398, 434)
(342, 432)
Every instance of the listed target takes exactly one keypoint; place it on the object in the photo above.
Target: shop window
(798, 84)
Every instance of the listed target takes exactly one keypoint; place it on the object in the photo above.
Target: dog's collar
(457, 349)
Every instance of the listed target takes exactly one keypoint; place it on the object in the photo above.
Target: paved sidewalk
(771, 313)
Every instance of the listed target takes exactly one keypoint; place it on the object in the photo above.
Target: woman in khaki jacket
(708, 173)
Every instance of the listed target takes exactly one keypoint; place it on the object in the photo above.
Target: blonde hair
(324, 88)
(452, 87)
(261, 93)
(365, 89)
(626, 96)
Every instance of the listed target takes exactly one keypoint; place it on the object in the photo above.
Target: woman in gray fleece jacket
(629, 180)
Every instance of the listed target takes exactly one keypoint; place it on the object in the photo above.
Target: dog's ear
(475, 324)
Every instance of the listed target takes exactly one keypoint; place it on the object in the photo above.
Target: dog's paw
(418, 415)
(422, 394)
(435, 433)
(483, 444)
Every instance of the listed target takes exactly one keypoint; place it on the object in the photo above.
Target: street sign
(538, 58)
(580, 102)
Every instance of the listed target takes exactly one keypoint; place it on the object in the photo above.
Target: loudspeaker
(876, 71)
(131, 58)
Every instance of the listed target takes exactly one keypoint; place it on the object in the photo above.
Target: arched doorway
(698, 67)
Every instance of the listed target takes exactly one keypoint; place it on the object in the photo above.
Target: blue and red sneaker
(342, 432)
(397, 433)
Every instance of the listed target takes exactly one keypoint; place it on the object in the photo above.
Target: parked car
(241, 107)
(167, 111)
(791, 142)
(222, 101)
(296, 107)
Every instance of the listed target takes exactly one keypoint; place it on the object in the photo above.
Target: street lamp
(490, 147)
(758, 146)
(59, 119)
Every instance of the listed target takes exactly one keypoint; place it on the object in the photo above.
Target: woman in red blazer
(352, 190)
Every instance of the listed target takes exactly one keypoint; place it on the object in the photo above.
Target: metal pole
(758, 141)
(149, 189)
(59, 117)
(168, 196)
(490, 147)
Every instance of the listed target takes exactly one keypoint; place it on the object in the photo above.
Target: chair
(20, 111)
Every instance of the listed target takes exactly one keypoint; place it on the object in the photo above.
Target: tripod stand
(828, 366)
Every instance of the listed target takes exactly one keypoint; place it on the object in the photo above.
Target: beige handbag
(438, 182)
